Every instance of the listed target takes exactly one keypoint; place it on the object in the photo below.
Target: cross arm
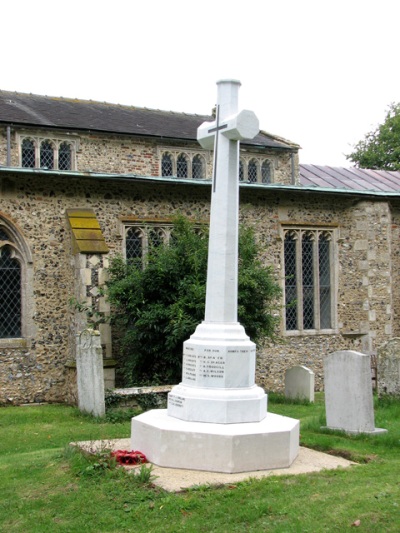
(243, 125)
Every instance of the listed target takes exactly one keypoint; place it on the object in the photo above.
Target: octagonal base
(169, 442)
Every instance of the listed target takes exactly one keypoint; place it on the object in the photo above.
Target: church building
(82, 181)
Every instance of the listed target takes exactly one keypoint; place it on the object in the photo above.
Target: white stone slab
(299, 383)
(90, 374)
(348, 392)
(169, 442)
(389, 368)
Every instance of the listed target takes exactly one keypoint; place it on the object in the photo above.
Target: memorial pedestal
(173, 443)
(217, 416)
(218, 378)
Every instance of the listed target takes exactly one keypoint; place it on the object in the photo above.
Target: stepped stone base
(169, 442)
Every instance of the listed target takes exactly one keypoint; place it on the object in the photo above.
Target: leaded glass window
(182, 166)
(50, 153)
(156, 237)
(325, 288)
(197, 168)
(64, 156)
(10, 295)
(241, 171)
(290, 281)
(46, 155)
(140, 239)
(4, 235)
(266, 172)
(28, 154)
(252, 171)
(166, 165)
(307, 259)
(134, 244)
(308, 280)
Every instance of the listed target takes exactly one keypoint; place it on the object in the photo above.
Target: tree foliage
(157, 308)
(380, 149)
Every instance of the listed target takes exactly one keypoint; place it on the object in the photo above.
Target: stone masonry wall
(123, 154)
(38, 204)
(364, 270)
(395, 274)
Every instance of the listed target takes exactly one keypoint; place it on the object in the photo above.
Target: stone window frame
(298, 230)
(144, 228)
(55, 141)
(251, 163)
(21, 252)
(190, 155)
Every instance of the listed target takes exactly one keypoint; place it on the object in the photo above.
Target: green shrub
(156, 308)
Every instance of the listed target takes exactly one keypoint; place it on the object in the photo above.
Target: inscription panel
(176, 401)
(218, 366)
(204, 364)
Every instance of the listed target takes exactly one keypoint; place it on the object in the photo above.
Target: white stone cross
(218, 371)
(217, 416)
(224, 135)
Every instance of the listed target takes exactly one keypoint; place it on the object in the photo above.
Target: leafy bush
(156, 308)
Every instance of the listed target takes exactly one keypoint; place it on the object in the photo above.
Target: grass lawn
(45, 487)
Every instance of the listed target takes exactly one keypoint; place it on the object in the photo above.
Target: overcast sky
(320, 73)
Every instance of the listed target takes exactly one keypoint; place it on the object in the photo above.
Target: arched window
(156, 237)
(64, 156)
(182, 166)
(46, 155)
(252, 171)
(50, 153)
(15, 284)
(197, 168)
(266, 172)
(166, 165)
(134, 244)
(28, 154)
(10, 294)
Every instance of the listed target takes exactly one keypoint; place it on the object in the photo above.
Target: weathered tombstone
(299, 383)
(389, 368)
(348, 393)
(89, 369)
(217, 416)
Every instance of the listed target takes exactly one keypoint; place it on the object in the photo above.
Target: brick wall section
(37, 205)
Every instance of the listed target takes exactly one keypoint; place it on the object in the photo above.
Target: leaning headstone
(348, 393)
(217, 416)
(89, 368)
(389, 368)
(299, 383)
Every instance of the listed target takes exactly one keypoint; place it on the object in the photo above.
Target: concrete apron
(176, 480)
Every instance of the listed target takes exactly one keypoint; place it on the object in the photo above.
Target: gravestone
(217, 416)
(89, 369)
(389, 368)
(348, 393)
(299, 383)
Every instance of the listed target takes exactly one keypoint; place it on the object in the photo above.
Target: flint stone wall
(124, 154)
(366, 265)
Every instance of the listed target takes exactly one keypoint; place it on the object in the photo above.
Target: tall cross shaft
(224, 135)
(217, 416)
